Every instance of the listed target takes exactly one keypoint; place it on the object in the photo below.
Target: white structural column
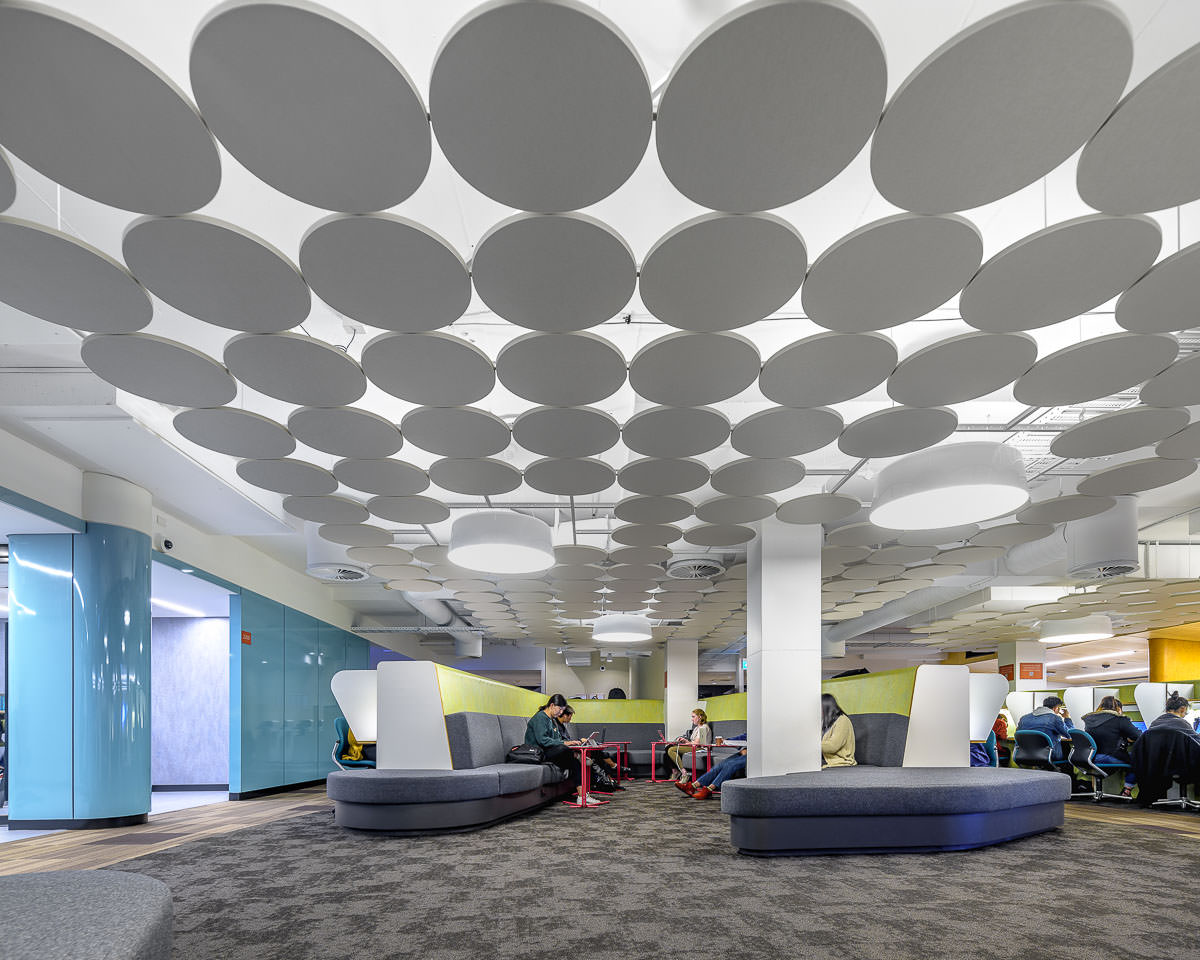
(683, 678)
(1022, 663)
(783, 641)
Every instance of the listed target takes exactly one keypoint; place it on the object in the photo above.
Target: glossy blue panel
(262, 693)
(301, 654)
(332, 659)
(39, 677)
(358, 652)
(235, 694)
(112, 672)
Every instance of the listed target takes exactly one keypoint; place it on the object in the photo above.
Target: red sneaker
(701, 793)
(684, 786)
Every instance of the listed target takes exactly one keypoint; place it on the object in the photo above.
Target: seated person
(728, 768)
(837, 735)
(604, 780)
(1052, 719)
(1113, 732)
(1173, 719)
(543, 731)
(700, 732)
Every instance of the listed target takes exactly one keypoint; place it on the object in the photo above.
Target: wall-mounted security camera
(164, 544)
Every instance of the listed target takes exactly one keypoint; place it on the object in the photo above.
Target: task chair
(342, 744)
(1083, 759)
(1033, 751)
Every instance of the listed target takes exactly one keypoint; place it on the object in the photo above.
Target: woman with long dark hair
(837, 735)
(543, 730)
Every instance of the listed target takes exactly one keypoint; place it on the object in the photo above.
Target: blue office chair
(1083, 759)
(342, 728)
(989, 746)
(1033, 751)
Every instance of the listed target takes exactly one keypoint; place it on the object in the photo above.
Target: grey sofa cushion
(517, 777)
(411, 786)
(84, 913)
(728, 728)
(475, 740)
(879, 738)
(639, 735)
(876, 791)
(512, 730)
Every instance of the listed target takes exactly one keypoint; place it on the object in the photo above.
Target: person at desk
(1052, 719)
(837, 735)
(602, 780)
(699, 733)
(1113, 732)
(728, 768)
(543, 730)
(1167, 752)
(1173, 719)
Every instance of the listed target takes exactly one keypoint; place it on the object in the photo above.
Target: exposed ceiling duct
(328, 561)
(915, 603)
(1104, 545)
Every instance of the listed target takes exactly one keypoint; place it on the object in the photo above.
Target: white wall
(586, 682)
(40, 476)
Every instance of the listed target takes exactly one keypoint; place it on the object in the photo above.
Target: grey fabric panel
(411, 786)
(454, 817)
(84, 913)
(512, 730)
(639, 735)
(551, 774)
(728, 728)
(475, 740)
(515, 777)
(903, 791)
(879, 738)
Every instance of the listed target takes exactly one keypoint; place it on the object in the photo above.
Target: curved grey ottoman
(77, 914)
(891, 809)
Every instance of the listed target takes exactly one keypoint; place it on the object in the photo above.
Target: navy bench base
(456, 816)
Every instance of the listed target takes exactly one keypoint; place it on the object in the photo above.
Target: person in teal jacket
(543, 731)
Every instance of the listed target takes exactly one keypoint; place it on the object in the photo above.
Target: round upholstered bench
(886, 809)
(77, 914)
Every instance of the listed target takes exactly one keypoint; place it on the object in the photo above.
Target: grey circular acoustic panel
(1135, 476)
(561, 369)
(566, 431)
(554, 273)
(735, 509)
(646, 534)
(752, 477)
(122, 132)
(576, 477)
(938, 536)
(578, 553)
(718, 535)
(238, 433)
(385, 478)
(1118, 432)
(827, 368)
(217, 272)
(373, 556)
(961, 368)
(663, 509)
(386, 271)
(8, 183)
(718, 272)
(1184, 445)
(295, 477)
(158, 369)
(540, 106)
(311, 104)
(856, 535)
(891, 271)
(770, 103)
(412, 509)
(1060, 272)
(1011, 534)
(818, 508)
(901, 554)
(786, 431)
(461, 432)
(326, 509)
(1000, 104)
(429, 368)
(1143, 157)
(896, 431)
(654, 477)
(481, 477)
(354, 534)
(57, 278)
(1095, 368)
(675, 431)
(693, 369)
(345, 432)
(1176, 386)
(1164, 299)
(1064, 509)
(295, 369)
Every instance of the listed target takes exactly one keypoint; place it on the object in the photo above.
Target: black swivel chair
(1033, 751)
(1083, 759)
(1166, 760)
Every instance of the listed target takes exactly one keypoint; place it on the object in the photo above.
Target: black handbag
(525, 753)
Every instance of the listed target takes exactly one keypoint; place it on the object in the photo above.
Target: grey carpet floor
(653, 875)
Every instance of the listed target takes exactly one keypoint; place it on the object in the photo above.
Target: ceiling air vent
(336, 572)
(694, 568)
(1105, 545)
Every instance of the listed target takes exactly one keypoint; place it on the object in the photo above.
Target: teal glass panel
(40, 738)
(332, 659)
(301, 653)
(112, 672)
(358, 654)
(262, 689)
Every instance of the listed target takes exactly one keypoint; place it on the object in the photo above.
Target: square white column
(683, 678)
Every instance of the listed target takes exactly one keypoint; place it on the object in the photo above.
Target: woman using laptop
(700, 733)
(543, 730)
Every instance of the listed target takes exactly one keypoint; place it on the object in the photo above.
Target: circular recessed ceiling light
(1094, 627)
(621, 628)
(961, 483)
(500, 541)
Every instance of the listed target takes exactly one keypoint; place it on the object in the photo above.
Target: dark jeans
(1130, 779)
(566, 760)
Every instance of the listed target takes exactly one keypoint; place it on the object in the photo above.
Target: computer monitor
(1140, 724)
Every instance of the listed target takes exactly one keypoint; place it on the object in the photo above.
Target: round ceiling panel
(460, 432)
(575, 477)
(122, 134)
(1135, 476)
(429, 368)
(900, 554)
(57, 278)
(1011, 534)
(1095, 368)
(345, 432)
(939, 536)
(566, 431)
(643, 554)
(414, 586)
(386, 271)
(555, 273)
(1064, 509)
(238, 433)
(856, 535)
(540, 106)
(1000, 104)
(1184, 445)
(326, 509)
(379, 555)
(970, 554)
(296, 477)
(635, 571)
(961, 368)
(1177, 386)
(561, 369)
(751, 477)
(693, 369)
(818, 508)
(786, 431)
(217, 272)
(158, 369)
(654, 477)
(1060, 272)
(896, 431)
(385, 478)
(718, 535)
(676, 431)
(653, 509)
(482, 477)
(411, 509)
(770, 103)
(646, 534)
(295, 369)
(720, 271)
(1164, 300)
(574, 553)
(827, 368)
(891, 271)
(311, 104)
(933, 571)
(1118, 432)
(735, 510)
(355, 534)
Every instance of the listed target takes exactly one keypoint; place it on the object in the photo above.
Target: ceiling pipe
(436, 611)
(919, 601)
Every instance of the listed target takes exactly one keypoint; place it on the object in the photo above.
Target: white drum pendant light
(948, 486)
(500, 541)
(1096, 626)
(621, 628)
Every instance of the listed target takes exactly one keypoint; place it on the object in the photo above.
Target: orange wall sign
(1031, 671)
(246, 637)
(1006, 671)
